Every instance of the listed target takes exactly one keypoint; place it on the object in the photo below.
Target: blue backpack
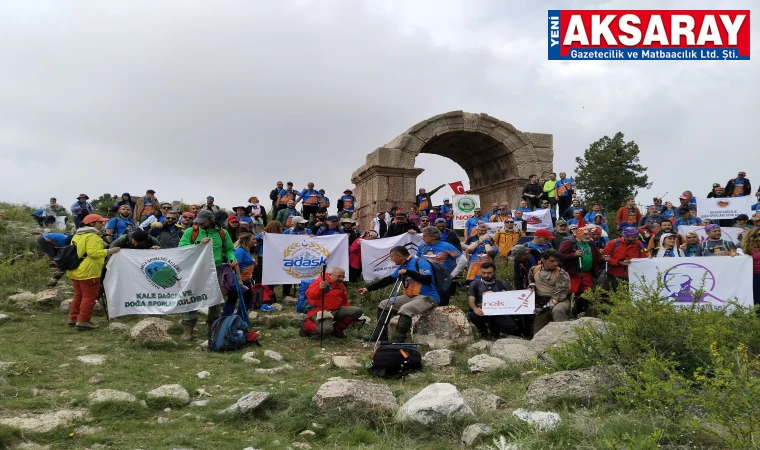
(302, 300)
(230, 332)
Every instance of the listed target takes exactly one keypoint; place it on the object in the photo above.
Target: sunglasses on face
(509, 221)
(166, 207)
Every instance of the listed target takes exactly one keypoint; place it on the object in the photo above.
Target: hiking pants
(560, 313)
(214, 312)
(496, 324)
(46, 246)
(348, 214)
(85, 295)
(564, 202)
(579, 285)
(335, 320)
(308, 211)
(410, 306)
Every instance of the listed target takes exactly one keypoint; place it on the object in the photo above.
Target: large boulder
(541, 419)
(474, 433)
(355, 395)
(442, 327)
(170, 393)
(48, 297)
(513, 351)
(484, 363)
(580, 386)
(437, 402)
(247, 403)
(22, 297)
(151, 332)
(438, 358)
(111, 395)
(479, 400)
(556, 334)
(42, 423)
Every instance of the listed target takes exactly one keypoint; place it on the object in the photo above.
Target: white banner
(721, 278)
(166, 281)
(539, 219)
(463, 207)
(724, 208)
(508, 303)
(726, 233)
(494, 227)
(289, 259)
(375, 260)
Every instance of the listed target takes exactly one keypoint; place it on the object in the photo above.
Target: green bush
(696, 370)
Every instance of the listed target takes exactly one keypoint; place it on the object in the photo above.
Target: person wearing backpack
(481, 249)
(583, 262)
(490, 327)
(620, 252)
(205, 231)
(81, 209)
(551, 285)
(119, 224)
(420, 294)
(436, 251)
(85, 277)
(337, 315)
(715, 245)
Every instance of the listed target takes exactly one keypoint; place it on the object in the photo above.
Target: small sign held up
(508, 303)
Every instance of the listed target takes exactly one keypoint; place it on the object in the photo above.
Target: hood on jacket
(676, 251)
(85, 230)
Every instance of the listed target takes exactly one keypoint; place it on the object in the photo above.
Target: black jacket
(730, 187)
(453, 239)
(535, 189)
(167, 238)
(397, 229)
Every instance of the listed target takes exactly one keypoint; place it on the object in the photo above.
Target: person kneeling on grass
(420, 295)
(337, 314)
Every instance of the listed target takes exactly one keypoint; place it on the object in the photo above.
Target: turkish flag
(457, 187)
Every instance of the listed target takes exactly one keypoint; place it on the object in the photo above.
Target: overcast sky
(223, 98)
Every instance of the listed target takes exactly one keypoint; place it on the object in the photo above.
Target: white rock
(484, 363)
(22, 297)
(198, 403)
(514, 351)
(151, 331)
(163, 420)
(204, 374)
(66, 306)
(167, 410)
(6, 367)
(247, 403)
(442, 327)
(49, 296)
(437, 402)
(203, 311)
(479, 400)
(92, 360)
(170, 392)
(579, 386)
(250, 358)
(4, 317)
(543, 420)
(278, 306)
(365, 319)
(88, 430)
(271, 354)
(42, 423)
(252, 315)
(96, 379)
(30, 446)
(481, 346)
(438, 358)
(555, 334)
(273, 370)
(118, 327)
(472, 434)
(307, 433)
(354, 395)
(345, 362)
(111, 395)
(200, 392)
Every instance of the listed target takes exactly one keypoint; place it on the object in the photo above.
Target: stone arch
(496, 156)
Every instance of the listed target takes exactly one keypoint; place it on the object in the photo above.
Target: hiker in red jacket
(338, 313)
(620, 252)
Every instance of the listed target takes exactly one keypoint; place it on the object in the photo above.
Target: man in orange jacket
(620, 252)
(337, 314)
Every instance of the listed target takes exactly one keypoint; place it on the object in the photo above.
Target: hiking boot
(84, 326)
(339, 334)
(403, 327)
(72, 323)
(189, 333)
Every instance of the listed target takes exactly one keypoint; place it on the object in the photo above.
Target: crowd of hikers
(559, 266)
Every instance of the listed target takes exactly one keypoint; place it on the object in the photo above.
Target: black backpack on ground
(67, 257)
(395, 360)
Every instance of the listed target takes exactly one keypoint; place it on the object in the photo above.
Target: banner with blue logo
(166, 281)
(288, 259)
(709, 281)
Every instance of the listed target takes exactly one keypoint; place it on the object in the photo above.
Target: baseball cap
(561, 222)
(346, 220)
(544, 233)
(210, 197)
(400, 213)
(347, 190)
(517, 251)
(150, 191)
(233, 219)
(188, 214)
(630, 231)
(332, 219)
(90, 218)
(683, 196)
(297, 219)
(711, 227)
(445, 199)
(204, 216)
(437, 221)
(742, 217)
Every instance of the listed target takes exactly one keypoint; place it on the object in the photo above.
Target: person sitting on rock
(420, 295)
(435, 250)
(490, 327)
(337, 314)
(551, 285)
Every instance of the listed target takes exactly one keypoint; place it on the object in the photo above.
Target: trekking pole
(388, 308)
(322, 311)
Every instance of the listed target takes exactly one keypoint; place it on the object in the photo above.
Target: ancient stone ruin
(496, 156)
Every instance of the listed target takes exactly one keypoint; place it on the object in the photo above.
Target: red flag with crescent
(457, 187)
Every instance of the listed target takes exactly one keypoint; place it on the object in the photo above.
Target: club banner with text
(289, 259)
(376, 262)
(724, 208)
(166, 281)
(464, 207)
(493, 227)
(726, 233)
(508, 303)
(720, 279)
(541, 218)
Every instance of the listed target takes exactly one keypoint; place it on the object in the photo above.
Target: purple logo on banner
(682, 280)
